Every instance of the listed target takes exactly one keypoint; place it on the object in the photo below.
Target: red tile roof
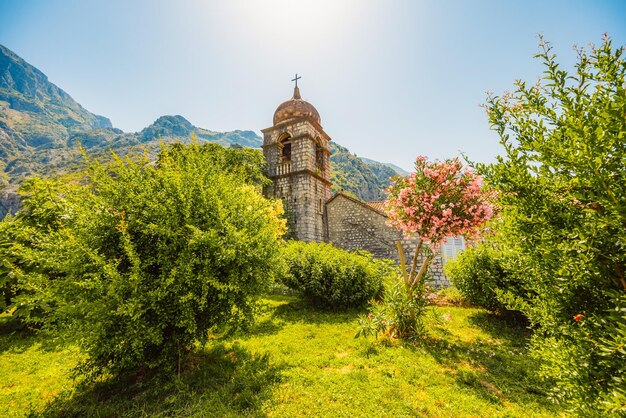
(378, 205)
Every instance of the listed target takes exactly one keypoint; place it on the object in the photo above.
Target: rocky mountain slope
(399, 171)
(351, 174)
(41, 127)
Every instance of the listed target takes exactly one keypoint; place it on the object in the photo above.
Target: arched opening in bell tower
(319, 155)
(284, 144)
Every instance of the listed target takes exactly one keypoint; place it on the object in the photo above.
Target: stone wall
(302, 181)
(303, 199)
(353, 225)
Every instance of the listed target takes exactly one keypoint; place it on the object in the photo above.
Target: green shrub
(450, 295)
(333, 278)
(479, 274)
(399, 313)
(26, 274)
(562, 184)
(6, 281)
(150, 258)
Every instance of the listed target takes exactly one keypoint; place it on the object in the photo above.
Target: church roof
(296, 108)
(377, 206)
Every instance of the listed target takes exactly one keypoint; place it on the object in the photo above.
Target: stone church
(296, 148)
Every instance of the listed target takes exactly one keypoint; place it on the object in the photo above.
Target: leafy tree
(150, 258)
(562, 183)
(246, 162)
(439, 200)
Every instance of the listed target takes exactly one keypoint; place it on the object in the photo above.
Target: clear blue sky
(391, 79)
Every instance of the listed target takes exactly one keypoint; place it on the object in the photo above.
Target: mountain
(351, 174)
(41, 128)
(179, 127)
(35, 113)
(399, 171)
(35, 117)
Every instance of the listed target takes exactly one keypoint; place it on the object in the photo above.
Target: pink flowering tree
(441, 199)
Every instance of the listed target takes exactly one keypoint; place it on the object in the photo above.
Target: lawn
(295, 361)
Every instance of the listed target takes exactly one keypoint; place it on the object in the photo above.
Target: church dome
(296, 108)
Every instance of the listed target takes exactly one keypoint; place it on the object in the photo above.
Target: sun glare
(286, 23)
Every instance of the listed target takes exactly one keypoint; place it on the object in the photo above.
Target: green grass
(295, 361)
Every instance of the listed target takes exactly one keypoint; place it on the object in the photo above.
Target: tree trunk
(423, 269)
(403, 263)
(414, 263)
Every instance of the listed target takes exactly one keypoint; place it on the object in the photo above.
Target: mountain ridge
(42, 126)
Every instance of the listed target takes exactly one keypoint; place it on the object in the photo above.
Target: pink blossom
(422, 203)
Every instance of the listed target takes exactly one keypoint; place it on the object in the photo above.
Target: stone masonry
(356, 225)
(296, 149)
(298, 159)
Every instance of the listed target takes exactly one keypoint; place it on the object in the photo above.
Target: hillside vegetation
(42, 127)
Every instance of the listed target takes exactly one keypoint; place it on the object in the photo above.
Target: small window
(284, 147)
(451, 247)
(286, 153)
(319, 156)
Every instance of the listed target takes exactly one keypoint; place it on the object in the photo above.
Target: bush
(562, 185)
(479, 274)
(450, 295)
(148, 259)
(6, 281)
(26, 274)
(333, 278)
(399, 313)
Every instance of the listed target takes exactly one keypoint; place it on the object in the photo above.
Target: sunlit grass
(33, 370)
(296, 361)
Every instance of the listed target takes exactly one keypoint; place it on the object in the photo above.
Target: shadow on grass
(15, 337)
(298, 310)
(220, 381)
(260, 329)
(511, 328)
(279, 310)
(498, 369)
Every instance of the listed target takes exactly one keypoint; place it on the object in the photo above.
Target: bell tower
(297, 152)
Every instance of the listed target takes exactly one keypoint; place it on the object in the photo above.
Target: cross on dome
(296, 79)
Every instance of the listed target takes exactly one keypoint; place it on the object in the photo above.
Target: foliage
(449, 296)
(296, 361)
(563, 186)
(351, 174)
(399, 314)
(439, 200)
(333, 278)
(148, 259)
(247, 163)
(480, 275)
(26, 273)
(6, 281)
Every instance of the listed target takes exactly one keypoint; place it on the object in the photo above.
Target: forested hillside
(351, 174)
(42, 129)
